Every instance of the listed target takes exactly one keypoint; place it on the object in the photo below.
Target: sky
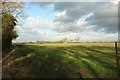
(54, 21)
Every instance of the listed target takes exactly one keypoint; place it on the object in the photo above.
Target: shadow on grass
(103, 58)
(47, 62)
(93, 72)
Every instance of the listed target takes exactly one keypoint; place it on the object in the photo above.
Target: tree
(77, 39)
(10, 12)
(8, 32)
(13, 8)
(64, 40)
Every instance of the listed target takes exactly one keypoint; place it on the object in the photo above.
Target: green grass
(56, 60)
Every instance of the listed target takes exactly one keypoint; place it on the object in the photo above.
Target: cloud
(43, 24)
(40, 35)
(105, 14)
(87, 20)
(30, 23)
(75, 26)
(37, 22)
(105, 17)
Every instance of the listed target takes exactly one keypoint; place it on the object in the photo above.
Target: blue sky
(36, 10)
(56, 21)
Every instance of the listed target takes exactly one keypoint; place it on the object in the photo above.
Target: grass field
(62, 60)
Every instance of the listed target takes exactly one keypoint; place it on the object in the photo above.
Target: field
(62, 60)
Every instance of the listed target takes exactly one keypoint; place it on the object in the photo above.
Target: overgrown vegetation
(58, 60)
(9, 14)
(8, 32)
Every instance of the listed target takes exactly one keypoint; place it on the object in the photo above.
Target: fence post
(117, 59)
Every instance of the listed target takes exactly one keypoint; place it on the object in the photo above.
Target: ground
(61, 60)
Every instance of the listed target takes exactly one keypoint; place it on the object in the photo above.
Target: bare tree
(64, 40)
(77, 39)
(13, 8)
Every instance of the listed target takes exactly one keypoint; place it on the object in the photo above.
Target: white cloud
(43, 24)
(89, 21)
(39, 22)
(31, 22)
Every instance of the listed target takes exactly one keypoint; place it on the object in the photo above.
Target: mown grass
(57, 60)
